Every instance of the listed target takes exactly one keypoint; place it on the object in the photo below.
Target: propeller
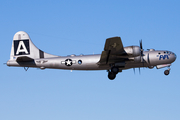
(134, 69)
(141, 49)
(141, 55)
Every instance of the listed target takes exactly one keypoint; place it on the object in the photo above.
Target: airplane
(114, 58)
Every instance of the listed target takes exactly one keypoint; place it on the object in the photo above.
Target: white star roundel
(68, 62)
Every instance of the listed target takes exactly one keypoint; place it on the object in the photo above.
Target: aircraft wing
(112, 49)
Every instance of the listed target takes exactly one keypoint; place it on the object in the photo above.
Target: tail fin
(23, 48)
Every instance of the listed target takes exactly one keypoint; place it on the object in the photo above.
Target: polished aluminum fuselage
(90, 62)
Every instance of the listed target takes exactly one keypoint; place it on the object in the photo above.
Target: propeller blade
(134, 70)
(141, 44)
(141, 47)
(139, 70)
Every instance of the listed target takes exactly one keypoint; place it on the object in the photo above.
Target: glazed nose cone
(174, 57)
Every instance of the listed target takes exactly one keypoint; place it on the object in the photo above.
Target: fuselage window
(79, 62)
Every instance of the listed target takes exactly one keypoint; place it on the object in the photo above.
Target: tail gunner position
(114, 58)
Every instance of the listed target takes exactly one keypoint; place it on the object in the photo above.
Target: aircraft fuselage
(90, 62)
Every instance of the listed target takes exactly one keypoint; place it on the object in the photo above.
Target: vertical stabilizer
(22, 46)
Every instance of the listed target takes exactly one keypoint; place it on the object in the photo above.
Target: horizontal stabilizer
(24, 59)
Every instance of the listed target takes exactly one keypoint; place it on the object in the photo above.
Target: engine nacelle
(137, 59)
(133, 51)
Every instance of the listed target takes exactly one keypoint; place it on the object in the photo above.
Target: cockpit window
(166, 52)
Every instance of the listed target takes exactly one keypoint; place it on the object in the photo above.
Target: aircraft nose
(174, 56)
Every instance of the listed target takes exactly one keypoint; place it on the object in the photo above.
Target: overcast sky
(80, 27)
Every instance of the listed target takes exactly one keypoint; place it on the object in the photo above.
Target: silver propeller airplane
(114, 58)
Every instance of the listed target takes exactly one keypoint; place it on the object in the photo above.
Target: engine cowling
(133, 51)
(137, 59)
